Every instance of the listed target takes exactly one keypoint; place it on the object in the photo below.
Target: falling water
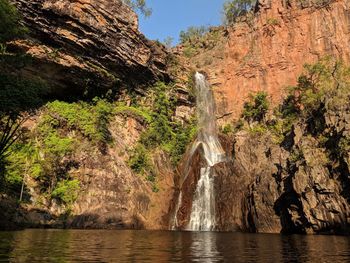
(202, 216)
(203, 207)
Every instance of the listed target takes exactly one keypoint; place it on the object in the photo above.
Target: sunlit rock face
(268, 51)
(94, 44)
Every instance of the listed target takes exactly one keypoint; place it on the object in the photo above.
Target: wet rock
(187, 179)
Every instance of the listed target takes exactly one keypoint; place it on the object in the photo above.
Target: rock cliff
(291, 188)
(299, 186)
(267, 51)
(87, 46)
(82, 49)
(111, 195)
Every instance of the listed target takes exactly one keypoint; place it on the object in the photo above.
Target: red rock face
(269, 52)
(88, 42)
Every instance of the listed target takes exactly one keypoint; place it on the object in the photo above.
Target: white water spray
(202, 216)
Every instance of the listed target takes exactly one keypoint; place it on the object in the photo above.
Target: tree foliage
(10, 26)
(17, 95)
(9, 132)
(193, 33)
(256, 108)
(140, 5)
(140, 160)
(327, 80)
(233, 9)
(162, 132)
(66, 191)
(90, 119)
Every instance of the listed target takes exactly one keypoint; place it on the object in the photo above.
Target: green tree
(67, 191)
(193, 33)
(139, 5)
(10, 26)
(168, 42)
(17, 95)
(160, 130)
(233, 9)
(256, 108)
(318, 81)
(140, 160)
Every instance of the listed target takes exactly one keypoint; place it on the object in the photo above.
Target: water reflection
(146, 246)
(204, 247)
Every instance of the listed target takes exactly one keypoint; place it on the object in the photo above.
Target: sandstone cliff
(267, 51)
(87, 47)
(111, 195)
(299, 185)
(82, 49)
(288, 188)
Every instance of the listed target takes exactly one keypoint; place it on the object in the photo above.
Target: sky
(169, 17)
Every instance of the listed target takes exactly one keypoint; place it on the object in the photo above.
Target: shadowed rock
(77, 45)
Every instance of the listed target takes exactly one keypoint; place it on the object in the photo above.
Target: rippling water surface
(148, 246)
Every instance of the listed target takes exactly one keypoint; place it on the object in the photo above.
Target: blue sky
(169, 17)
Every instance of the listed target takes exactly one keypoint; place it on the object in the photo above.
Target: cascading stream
(202, 217)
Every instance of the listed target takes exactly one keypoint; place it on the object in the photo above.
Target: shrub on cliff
(196, 39)
(162, 131)
(172, 136)
(91, 119)
(66, 191)
(256, 108)
(140, 160)
(233, 9)
(193, 33)
(323, 86)
(139, 5)
(10, 26)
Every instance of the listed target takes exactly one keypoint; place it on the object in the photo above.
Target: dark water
(146, 246)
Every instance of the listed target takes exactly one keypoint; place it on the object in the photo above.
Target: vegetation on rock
(322, 88)
(10, 27)
(197, 38)
(140, 5)
(162, 132)
(45, 155)
(233, 9)
(256, 108)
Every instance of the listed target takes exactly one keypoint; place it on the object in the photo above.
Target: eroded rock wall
(89, 44)
(300, 186)
(267, 52)
(111, 194)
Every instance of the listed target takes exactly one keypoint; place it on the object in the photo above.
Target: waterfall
(202, 217)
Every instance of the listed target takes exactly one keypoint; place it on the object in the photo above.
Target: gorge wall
(284, 195)
(84, 48)
(299, 185)
(267, 51)
(87, 46)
